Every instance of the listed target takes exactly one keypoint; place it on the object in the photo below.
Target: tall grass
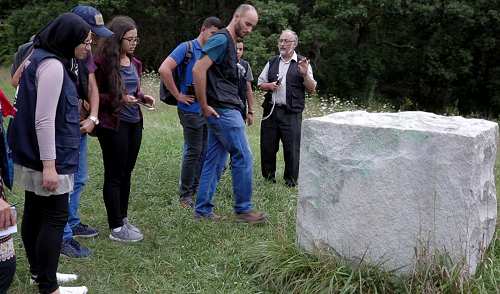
(179, 255)
(282, 267)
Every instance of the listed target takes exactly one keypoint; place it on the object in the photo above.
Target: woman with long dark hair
(118, 77)
(44, 137)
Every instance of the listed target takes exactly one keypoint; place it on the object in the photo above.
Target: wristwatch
(94, 119)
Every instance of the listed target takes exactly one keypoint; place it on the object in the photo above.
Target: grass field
(178, 255)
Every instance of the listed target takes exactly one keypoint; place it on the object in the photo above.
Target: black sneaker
(290, 183)
(84, 231)
(270, 179)
(71, 248)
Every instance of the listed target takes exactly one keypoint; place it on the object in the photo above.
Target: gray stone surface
(383, 185)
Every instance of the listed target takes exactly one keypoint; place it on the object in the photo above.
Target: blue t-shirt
(216, 47)
(130, 113)
(178, 55)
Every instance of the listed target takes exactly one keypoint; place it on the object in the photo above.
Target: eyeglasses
(132, 40)
(285, 41)
(89, 43)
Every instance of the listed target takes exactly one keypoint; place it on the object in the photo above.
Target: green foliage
(262, 43)
(420, 55)
(22, 23)
(433, 53)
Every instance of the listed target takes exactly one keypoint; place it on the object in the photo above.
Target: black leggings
(119, 153)
(42, 229)
(7, 270)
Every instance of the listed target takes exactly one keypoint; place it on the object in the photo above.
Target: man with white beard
(285, 77)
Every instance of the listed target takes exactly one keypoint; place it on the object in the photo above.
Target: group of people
(64, 92)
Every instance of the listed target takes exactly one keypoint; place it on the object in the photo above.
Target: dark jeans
(44, 219)
(194, 128)
(7, 271)
(119, 154)
(284, 126)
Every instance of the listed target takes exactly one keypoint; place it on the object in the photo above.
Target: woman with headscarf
(118, 77)
(44, 137)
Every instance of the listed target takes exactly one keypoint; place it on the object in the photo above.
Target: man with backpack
(180, 63)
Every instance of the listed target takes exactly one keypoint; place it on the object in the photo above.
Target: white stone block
(381, 185)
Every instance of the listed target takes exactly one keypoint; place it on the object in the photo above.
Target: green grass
(5, 83)
(179, 255)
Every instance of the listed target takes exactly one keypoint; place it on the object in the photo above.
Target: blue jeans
(74, 197)
(226, 134)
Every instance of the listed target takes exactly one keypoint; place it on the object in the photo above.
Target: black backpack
(179, 75)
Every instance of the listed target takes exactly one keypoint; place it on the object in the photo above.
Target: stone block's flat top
(411, 120)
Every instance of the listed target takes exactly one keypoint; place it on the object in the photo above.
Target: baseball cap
(94, 18)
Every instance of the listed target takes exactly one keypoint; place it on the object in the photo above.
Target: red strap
(7, 108)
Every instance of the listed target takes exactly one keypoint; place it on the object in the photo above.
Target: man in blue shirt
(193, 123)
(216, 79)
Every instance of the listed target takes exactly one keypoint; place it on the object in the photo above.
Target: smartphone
(147, 106)
(278, 82)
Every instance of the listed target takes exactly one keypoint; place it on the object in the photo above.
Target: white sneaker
(73, 290)
(125, 235)
(131, 226)
(61, 278)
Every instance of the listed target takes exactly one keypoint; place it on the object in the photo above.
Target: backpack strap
(187, 59)
(189, 52)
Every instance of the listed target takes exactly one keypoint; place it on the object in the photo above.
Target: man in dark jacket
(285, 77)
(194, 126)
(216, 79)
(245, 87)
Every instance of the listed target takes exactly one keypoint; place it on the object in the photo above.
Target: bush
(21, 24)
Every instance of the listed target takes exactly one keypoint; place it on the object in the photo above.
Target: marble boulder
(387, 187)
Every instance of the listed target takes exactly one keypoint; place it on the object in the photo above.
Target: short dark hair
(212, 21)
(243, 9)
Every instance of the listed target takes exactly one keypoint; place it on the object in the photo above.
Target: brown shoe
(251, 217)
(186, 202)
(209, 217)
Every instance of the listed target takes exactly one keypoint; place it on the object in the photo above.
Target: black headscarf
(62, 35)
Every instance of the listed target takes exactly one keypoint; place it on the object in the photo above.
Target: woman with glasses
(44, 137)
(118, 77)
